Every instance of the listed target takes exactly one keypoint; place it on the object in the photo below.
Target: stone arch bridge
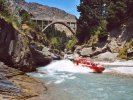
(45, 23)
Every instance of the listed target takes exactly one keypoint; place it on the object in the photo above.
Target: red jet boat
(89, 64)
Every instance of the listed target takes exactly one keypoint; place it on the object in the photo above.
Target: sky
(69, 6)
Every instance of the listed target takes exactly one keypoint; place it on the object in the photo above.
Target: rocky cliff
(21, 45)
(14, 48)
(21, 50)
(44, 11)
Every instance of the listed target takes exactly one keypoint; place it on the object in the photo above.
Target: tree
(129, 4)
(91, 14)
(101, 16)
(116, 13)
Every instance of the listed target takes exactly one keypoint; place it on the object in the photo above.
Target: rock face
(5, 85)
(5, 41)
(121, 35)
(16, 42)
(14, 48)
(41, 54)
(16, 51)
(43, 11)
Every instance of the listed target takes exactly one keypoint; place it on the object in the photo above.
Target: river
(65, 81)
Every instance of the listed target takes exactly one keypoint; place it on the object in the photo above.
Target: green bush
(92, 40)
(71, 43)
(54, 42)
(123, 53)
(130, 44)
(4, 8)
(5, 11)
(24, 16)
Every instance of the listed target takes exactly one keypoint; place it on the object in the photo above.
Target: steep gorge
(22, 46)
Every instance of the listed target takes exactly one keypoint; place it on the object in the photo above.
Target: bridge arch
(62, 23)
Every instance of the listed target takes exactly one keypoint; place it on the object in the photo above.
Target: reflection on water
(69, 82)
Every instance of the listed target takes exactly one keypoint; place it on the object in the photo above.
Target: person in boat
(91, 65)
(75, 56)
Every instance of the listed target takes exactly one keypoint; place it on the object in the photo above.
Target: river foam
(68, 66)
(118, 63)
(63, 66)
(124, 70)
(60, 71)
(123, 67)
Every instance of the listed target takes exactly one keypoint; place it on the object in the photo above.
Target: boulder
(107, 56)
(113, 45)
(85, 52)
(42, 56)
(7, 87)
(130, 52)
(95, 53)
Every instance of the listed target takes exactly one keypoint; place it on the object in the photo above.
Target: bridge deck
(43, 23)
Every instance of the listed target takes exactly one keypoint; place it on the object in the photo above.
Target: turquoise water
(82, 85)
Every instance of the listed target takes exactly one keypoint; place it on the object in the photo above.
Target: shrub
(123, 53)
(71, 43)
(4, 8)
(24, 15)
(130, 44)
(92, 40)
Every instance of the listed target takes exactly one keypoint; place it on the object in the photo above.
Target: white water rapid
(63, 66)
(67, 81)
